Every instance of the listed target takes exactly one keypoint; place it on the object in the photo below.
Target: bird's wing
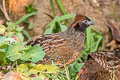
(92, 70)
(58, 49)
(107, 59)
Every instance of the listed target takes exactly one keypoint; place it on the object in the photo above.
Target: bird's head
(81, 23)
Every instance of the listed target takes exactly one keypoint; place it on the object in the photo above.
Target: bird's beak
(90, 22)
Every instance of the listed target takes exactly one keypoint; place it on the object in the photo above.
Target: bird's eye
(88, 22)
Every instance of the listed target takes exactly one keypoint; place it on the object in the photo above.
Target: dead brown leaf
(12, 76)
(115, 30)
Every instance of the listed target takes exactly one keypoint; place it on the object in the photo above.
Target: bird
(63, 47)
(102, 65)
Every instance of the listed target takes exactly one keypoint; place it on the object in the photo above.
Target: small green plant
(12, 46)
(22, 58)
(29, 10)
(58, 22)
(25, 19)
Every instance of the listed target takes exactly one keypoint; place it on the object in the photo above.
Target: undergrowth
(23, 59)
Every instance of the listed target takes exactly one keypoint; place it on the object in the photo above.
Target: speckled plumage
(105, 65)
(63, 47)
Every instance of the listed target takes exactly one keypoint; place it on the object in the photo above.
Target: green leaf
(19, 29)
(20, 36)
(60, 18)
(57, 27)
(11, 26)
(4, 41)
(2, 29)
(13, 52)
(30, 26)
(47, 68)
(30, 9)
(34, 54)
(26, 34)
(88, 36)
(61, 7)
(41, 71)
(24, 18)
(57, 19)
(36, 78)
(53, 8)
(22, 68)
(67, 73)
(63, 27)
(65, 17)
(2, 56)
(37, 53)
(49, 30)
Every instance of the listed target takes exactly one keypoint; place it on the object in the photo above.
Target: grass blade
(64, 17)
(49, 30)
(24, 18)
(53, 8)
(61, 7)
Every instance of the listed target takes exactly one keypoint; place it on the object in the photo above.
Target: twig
(3, 9)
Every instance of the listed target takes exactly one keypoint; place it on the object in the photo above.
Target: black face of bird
(83, 24)
(87, 21)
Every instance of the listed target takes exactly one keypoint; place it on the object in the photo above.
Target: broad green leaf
(6, 41)
(34, 54)
(37, 53)
(14, 57)
(2, 29)
(13, 52)
(47, 68)
(22, 68)
(37, 69)
(2, 56)
(9, 34)
(27, 47)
